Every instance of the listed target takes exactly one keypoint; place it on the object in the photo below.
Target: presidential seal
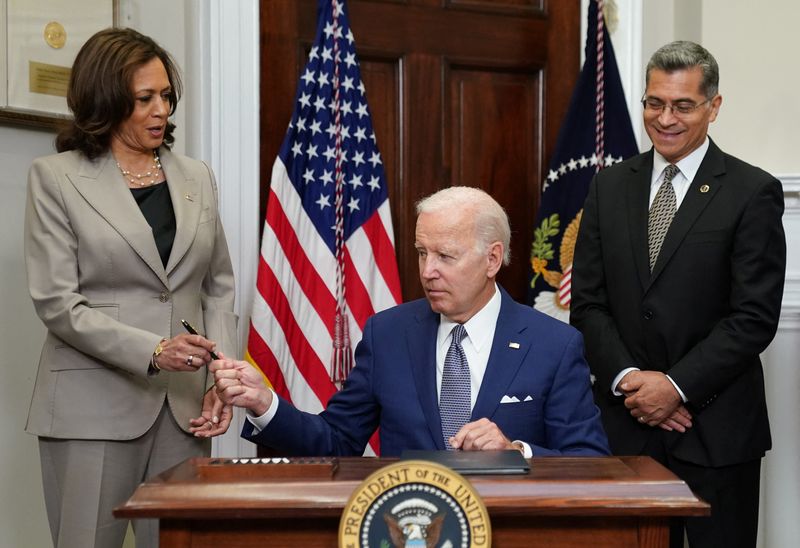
(417, 504)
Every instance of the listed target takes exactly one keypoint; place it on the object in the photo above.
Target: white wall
(756, 46)
(22, 516)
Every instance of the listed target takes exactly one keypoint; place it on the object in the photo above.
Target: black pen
(193, 331)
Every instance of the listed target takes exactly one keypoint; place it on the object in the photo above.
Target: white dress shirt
(477, 344)
(683, 179)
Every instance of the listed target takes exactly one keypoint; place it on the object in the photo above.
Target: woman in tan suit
(122, 241)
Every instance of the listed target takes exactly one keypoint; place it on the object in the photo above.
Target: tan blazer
(98, 284)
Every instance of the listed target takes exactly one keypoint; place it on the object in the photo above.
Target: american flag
(596, 133)
(306, 274)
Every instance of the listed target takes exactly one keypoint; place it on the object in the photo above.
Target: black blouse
(156, 206)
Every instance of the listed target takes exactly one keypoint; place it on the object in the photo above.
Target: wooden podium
(564, 501)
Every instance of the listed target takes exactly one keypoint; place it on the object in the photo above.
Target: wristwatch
(154, 368)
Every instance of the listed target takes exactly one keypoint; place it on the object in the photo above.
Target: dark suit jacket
(393, 385)
(710, 307)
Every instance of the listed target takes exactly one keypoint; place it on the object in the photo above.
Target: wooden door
(467, 92)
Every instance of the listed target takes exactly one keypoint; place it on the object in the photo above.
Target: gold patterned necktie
(661, 213)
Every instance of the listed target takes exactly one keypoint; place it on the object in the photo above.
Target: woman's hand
(185, 352)
(215, 417)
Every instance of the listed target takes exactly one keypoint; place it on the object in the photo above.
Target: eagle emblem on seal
(414, 523)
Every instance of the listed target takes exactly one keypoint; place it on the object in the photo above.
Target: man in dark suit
(677, 286)
(517, 379)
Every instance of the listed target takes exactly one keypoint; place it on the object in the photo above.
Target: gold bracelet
(157, 353)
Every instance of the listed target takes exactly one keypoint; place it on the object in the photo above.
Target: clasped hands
(653, 400)
(239, 384)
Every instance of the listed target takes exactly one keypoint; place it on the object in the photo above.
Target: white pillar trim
(228, 139)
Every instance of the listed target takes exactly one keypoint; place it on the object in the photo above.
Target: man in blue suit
(517, 379)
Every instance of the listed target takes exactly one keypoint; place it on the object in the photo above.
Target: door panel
(494, 135)
(460, 91)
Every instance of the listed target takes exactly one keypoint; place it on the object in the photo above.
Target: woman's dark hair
(99, 93)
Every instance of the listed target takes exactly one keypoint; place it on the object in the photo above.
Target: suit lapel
(102, 186)
(186, 203)
(701, 191)
(421, 342)
(505, 359)
(637, 195)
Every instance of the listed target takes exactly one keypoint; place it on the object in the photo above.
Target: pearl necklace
(152, 173)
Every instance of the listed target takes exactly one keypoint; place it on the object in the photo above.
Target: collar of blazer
(105, 190)
(504, 362)
(702, 190)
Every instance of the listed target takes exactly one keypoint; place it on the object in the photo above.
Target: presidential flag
(596, 133)
(327, 253)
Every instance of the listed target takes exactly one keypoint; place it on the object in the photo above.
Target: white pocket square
(528, 398)
(509, 399)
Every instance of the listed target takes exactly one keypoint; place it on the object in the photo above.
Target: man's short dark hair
(682, 55)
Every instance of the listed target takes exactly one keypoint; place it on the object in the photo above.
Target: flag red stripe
(383, 249)
(308, 363)
(304, 271)
(358, 299)
(263, 357)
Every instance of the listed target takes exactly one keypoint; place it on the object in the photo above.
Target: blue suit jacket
(393, 386)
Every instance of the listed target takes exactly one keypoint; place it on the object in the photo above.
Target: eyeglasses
(681, 108)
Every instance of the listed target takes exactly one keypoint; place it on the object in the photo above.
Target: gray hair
(489, 218)
(681, 55)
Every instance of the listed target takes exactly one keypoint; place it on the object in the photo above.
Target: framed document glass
(39, 40)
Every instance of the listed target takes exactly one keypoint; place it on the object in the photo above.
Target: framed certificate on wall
(39, 40)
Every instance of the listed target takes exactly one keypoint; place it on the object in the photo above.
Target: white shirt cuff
(618, 378)
(678, 388)
(527, 452)
(261, 422)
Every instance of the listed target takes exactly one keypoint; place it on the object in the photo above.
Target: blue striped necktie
(455, 404)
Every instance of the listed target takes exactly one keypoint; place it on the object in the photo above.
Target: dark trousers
(732, 492)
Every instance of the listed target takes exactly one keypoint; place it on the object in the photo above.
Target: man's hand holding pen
(240, 384)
